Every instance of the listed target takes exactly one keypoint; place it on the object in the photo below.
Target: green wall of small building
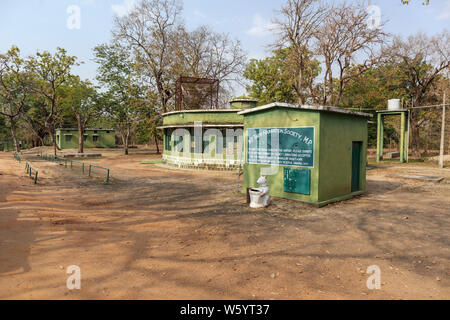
(189, 141)
(337, 133)
(225, 120)
(331, 177)
(229, 117)
(243, 104)
(105, 140)
(281, 118)
(332, 172)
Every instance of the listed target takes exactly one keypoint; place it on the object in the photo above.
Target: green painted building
(206, 139)
(312, 154)
(93, 138)
(243, 103)
(203, 139)
(308, 153)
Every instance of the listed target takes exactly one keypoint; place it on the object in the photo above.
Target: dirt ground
(160, 233)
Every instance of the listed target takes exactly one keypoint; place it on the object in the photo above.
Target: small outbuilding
(203, 139)
(312, 154)
(93, 138)
(206, 138)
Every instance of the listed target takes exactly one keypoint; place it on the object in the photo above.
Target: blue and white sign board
(292, 147)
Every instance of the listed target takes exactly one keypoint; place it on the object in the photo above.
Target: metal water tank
(394, 105)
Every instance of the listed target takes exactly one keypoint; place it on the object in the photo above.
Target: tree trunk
(125, 143)
(80, 135)
(52, 136)
(161, 93)
(324, 93)
(340, 92)
(300, 82)
(330, 85)
(13, 134)
(156, 142)
(41, 141)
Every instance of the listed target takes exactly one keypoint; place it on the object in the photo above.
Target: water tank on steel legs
(394, 105)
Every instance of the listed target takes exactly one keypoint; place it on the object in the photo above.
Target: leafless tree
(165, 50)
(208, 54)
(423, 59)
(150, 29)
(347, 42)
(339, 34)
(204, 53)
(295, 25)
(328, 41)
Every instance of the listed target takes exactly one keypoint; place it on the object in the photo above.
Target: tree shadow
(14, 254)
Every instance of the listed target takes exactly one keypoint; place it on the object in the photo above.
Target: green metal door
(297, 181)
(356, 166)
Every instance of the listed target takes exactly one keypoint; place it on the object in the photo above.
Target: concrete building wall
(337, 132)
(192, 154)
(183, 152)
(283, 118)
(211, 117)
(243, 103)
(334, 138)
(105, 138)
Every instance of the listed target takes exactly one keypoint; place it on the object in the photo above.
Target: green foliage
(4, 135)
(35, 117)
(143, 133)
(103, 121)
(374, 88)
(125, 100)
(15, 90)
(371, 91)
(272, 78)
(269, 77)
(80, 99)
(51, 73)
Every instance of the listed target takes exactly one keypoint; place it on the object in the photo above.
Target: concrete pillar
(380, 137)
(403, 138)
(406, 133)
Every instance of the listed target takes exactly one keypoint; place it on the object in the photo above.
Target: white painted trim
(305, 107)
(180, 160)
(202, 111)
(202, 126)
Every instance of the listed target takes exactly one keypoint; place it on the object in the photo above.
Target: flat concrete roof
(243, 100)
(201, 111)
(76, 129)
(222, 125)
(305, 107)
(392, 111)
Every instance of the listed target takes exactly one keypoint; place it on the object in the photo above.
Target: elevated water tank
(394, 105)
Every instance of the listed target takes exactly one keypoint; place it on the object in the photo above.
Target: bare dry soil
(160, 233)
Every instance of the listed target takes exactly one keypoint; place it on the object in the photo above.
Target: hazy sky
(42, 24)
